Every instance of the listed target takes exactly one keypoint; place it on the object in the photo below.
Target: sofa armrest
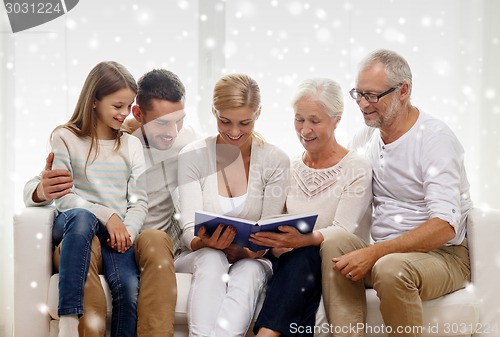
(483, 235)
(32, 270)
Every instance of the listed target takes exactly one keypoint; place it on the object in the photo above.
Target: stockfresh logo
(26, 14)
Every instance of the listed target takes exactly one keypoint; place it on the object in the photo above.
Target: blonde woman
(234, 173)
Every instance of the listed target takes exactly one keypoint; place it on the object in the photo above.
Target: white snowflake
(223, 323)
(426, 22)
(302, 226)
(442, 67)
(95, 322)
(323, 35)
(43, 308)
(219, 7)
(295, 8)
(71, 24)
(321, 14)
(210, 43)
(33, 48)
(183, 4)
(283, 34)
(432, 171)
(247, 9)
(470, 288)
(393, 35)
(225, 278)
(230, 48)
(93, 43)
(490, 93)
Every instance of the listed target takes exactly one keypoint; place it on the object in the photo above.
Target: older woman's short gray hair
(324, 90)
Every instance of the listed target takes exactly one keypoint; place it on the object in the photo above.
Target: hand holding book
(304, 223)
(221, 238)
(285, 240)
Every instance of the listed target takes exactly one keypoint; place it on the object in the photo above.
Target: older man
(421, 201)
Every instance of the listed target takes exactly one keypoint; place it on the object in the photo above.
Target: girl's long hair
(104, 79)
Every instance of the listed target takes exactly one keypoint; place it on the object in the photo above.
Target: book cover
(304, 223)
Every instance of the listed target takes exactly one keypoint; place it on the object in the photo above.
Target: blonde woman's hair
(236, 91)
(104, 79)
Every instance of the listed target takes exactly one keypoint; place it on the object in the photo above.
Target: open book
(303, 222)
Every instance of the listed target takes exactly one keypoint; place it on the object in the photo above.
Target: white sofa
(474, 311)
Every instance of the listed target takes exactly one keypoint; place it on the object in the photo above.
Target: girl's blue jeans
(76, 228)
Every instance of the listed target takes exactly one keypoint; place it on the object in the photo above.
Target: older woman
(326, 178)
(234, 173)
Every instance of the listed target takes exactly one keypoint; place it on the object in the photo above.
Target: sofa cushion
(451, 315)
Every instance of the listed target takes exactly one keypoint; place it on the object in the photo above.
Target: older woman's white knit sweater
(341, 194)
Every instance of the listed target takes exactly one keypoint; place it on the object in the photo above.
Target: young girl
(235, 173)
(107, 199)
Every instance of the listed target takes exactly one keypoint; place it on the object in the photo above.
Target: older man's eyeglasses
(370, 98)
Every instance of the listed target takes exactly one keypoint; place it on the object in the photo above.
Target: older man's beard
(388, 117)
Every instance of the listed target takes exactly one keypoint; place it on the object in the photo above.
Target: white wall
(452, 46)
(488, 113)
